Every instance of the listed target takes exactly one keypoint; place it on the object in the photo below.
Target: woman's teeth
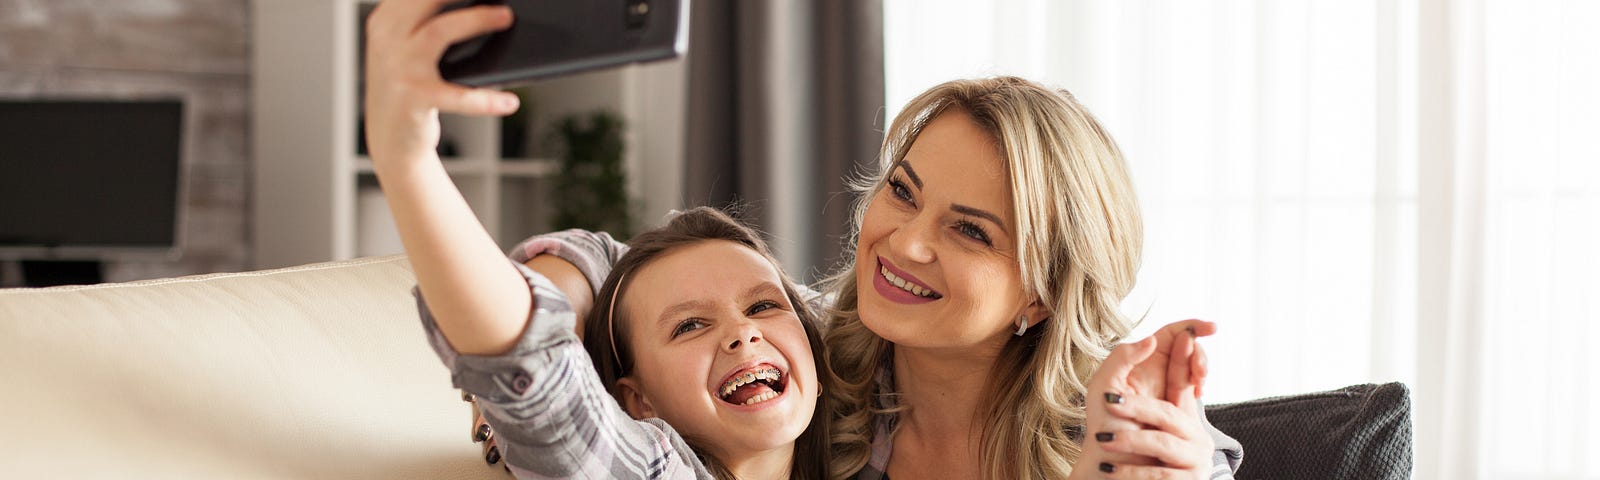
(902, 284)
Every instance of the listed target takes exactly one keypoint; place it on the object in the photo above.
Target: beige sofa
(317, 371)
(321, 371)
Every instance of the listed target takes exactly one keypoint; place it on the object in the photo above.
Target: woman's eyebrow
(980, 213)
(905, 165)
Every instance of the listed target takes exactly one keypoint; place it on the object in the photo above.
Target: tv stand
(52, 273)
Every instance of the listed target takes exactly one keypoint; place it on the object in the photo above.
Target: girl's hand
(404, 92)
(1149, 426)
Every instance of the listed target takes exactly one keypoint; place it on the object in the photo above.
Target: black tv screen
(89, 178)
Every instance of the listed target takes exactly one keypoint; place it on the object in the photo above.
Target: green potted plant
(590, 190)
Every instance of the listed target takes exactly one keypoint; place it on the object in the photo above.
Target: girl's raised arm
(480, 301)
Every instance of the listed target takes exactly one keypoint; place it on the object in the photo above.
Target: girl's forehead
(705, 275)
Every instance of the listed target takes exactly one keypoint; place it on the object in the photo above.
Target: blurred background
(1402, 190)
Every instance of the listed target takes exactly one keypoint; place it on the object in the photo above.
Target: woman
(993, 247)
(700, 337)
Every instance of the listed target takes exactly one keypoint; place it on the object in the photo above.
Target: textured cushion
(317, 371)
(1358, 432)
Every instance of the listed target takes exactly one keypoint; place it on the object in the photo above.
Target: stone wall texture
(196, 50)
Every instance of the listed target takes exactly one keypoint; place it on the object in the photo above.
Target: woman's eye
(761, 306)
(900, 191)
(687, 326)
(973, 231)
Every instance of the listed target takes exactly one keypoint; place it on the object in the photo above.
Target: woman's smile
(900, 287)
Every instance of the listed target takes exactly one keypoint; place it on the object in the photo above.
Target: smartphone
(558, 37)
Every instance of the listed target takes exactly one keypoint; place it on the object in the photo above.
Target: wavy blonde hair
(1079, 236)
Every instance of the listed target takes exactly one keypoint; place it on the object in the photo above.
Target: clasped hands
(1143, 408)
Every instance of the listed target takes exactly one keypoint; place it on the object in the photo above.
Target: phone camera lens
(636, 12)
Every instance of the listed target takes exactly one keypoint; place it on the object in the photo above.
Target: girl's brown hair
(606, 333)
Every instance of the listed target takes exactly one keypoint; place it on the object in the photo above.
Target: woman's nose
(913, 240)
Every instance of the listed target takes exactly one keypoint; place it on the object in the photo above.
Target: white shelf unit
(313, 193)
(309, 180)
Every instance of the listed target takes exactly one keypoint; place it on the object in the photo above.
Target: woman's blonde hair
(1079, 236)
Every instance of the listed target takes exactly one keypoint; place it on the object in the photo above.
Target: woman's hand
(404, 92)
(1174, 364)
(483, 434)
(1143, 409)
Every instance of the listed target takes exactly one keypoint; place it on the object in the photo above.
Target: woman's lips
(897, 294)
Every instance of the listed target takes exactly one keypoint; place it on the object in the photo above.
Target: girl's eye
(899, 190)
(973, 231)
(687, 326)
(761, 306)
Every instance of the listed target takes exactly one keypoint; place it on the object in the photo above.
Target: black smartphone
(556, 37)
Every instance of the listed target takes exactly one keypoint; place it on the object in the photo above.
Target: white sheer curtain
(1356, 191)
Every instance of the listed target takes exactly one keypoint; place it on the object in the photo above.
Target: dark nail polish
(1104, 437)
(1108, 468)
(493, 456)
(1113, 398)
(466, 397)
(483, 433)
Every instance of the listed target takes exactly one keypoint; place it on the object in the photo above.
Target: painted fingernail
(466, 397)
(1104, 437)
(1113, 398)
(482, 434)
(1108, 468)
(493, 456)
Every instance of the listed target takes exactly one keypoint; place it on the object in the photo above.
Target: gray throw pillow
(1360, 431)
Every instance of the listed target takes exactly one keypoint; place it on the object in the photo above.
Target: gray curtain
(785, 102)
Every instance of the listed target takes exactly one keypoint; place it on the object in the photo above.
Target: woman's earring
(1022, 324)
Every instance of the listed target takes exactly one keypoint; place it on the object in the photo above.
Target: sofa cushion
(316, 371)
(1360, 431)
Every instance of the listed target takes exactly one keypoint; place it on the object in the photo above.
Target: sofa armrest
(1360, 431)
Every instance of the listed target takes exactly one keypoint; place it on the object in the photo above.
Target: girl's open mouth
(753, 385)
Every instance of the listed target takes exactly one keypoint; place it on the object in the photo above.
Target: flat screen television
(90, 179)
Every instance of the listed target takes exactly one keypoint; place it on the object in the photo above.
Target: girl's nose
(744, 336)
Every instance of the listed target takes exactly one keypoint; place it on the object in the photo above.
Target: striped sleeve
(594, 253)
(551, 416)
(1228, 454)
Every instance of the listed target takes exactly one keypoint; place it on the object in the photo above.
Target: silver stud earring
(1022, 324)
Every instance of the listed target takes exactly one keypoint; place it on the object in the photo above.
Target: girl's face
(936, 259)
(719, 352)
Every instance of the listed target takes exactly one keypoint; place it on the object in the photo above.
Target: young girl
(698, 336)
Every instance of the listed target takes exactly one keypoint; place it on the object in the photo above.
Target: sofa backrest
(1357, 432)
(317, 371)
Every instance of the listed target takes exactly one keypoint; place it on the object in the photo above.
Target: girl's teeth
(761, 398)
